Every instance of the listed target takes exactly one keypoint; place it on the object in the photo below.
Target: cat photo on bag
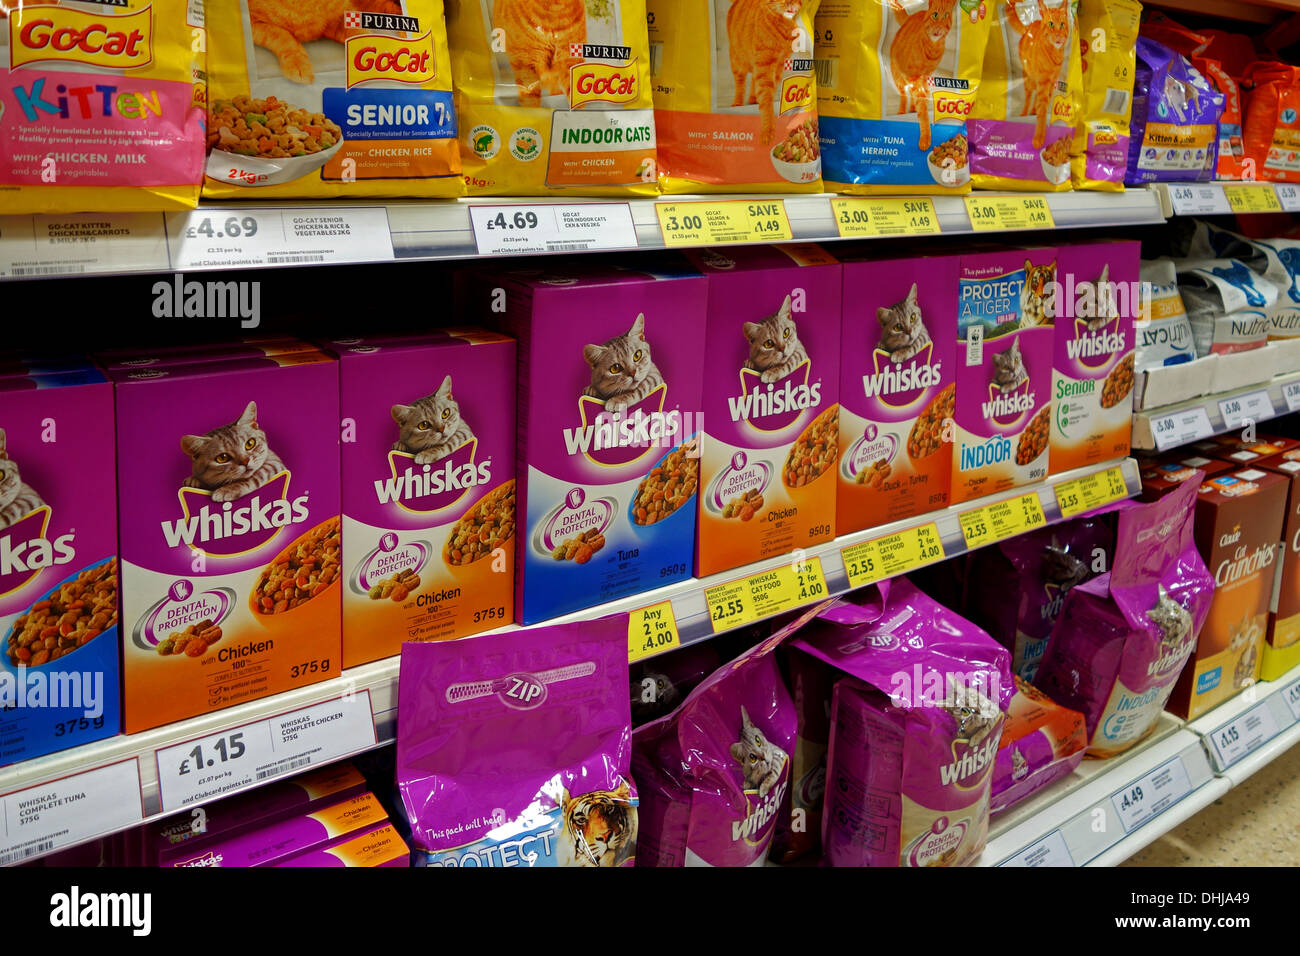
(432, 427)
(774, 347)
(902, 329)
(623, 372)
(233, 460)
(17, 498)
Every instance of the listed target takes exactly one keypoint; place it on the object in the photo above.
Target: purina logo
(359, 20)
(600, 51)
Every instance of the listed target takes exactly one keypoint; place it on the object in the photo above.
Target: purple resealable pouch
(1174, 129)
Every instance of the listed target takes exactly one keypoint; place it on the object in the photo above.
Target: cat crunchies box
(58, 565)
(771, 418)
(230, 538)
(428, 490)
(609, 376)
(897, 369)
(1282, 648)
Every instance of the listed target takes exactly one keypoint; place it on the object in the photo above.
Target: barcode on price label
(1051, 850)
(68, 811)
(1151, 795)
(1235, 739)
(1251, 407)
(1179, 428)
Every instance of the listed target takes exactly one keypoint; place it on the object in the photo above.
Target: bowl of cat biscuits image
(1055, 158)
(266, 142)
(948, 163)
(798, 157)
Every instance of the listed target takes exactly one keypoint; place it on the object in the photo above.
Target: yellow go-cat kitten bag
(554, 96)
(735, 95)
(313, 98)
(1023, 125)
(1109, 29)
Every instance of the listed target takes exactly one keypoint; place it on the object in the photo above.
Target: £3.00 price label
(1002, 519)
(211, 238)
(1252, 197)
(1179, 428)
(733, 220)
(1091, 491)
(651, 630)
(1251, 407)
(1008, 212)
(1238, 737)
(885, 217)
(892, 555)
(552, 227)
(1152, 795)
(198, 770)
(64, 812)
(1199, 200)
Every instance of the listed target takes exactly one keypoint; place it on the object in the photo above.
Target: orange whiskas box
(1238, 524)
(1282, 644)
(771, 422)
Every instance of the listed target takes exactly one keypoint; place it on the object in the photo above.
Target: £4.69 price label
(762, 595)
(71, 810)
(885, 216)
(733, 220)
(207, 767)
(651, 630)
(1152, 795)
(1002, 519)
(1091, 491)
(990, 213)
(232, 238)
(892, 555)
(552, 227)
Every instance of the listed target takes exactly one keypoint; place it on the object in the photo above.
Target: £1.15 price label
(651, 630)
(892, 555)
(989, 213)
(733, 220)
(886, 216)
(762, 595)
(1002, 519)
(1238, 737)
(1091, 491)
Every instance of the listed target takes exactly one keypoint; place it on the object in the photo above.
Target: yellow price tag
(893, 554)
(732, 220)
(1252, 197)
(1091, 491)
(1002, 519)
(651, 630)
(885, 217)
(990, 213)
(740, 602)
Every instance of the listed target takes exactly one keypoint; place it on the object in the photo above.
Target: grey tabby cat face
(753, 752)
(771, 340)
(1009, 367)
(620, 364)
(229, 453)
(900, 323)
(10, 481)
(429, 421)
(1171, 617)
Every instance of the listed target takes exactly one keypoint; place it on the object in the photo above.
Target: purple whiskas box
(610, 367)
(189, 355)
(231, 552)
(59, 681)
(381, 846)
(428, 463)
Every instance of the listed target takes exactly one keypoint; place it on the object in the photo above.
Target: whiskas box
(428, 490)
(381, 846)
(771, 418)
(1282, 647)
(1005, 345)
(897, 369)
(219, 351)
(58, 565)
(1092, 372)
(230, 540)
(609, 370)
(1239, 520)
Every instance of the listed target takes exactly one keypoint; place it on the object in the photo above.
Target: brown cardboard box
(1282, 647)
(1169, 471)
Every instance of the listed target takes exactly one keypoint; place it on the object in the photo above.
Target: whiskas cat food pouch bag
(896, 82)
(914, 729)
(610, 368)
(1108, 32)
(514, 749)
(1163, 333)
(101, 106)
(656, 686)
(554, 98)
(799, 827)
(1023, 123)
(1005, 342)
(771, 418)
(898, 363)
(230, 542)
(1092, 374)
(1121, 639)
(1227, 304)
(1173, 135)
(334, 99)
(428, 491)
(1273, 121)
(58, 566)
(1041, 743)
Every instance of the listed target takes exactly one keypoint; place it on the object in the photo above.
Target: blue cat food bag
(1227, 304)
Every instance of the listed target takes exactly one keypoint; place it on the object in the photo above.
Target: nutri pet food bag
(554, 98)
(347, 98)
(513, 749)
(1227, 304)
(1121, 639)
(1273, 121)
(1041, 743)
(101, 106)
(896, 82)
(1277, 260)
(1023, 123)
(1173, 136)
(1163, 333)
(914, 728)
(1108, 31)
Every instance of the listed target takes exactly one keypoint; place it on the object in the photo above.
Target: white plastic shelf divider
(1283, 398)
(1210, 199)
(1245, 733)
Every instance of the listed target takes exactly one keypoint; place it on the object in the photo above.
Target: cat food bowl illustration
(948, 164)
(90, 595)
(266, 142)
(1055, 160)
(305, 569)
(798, 158)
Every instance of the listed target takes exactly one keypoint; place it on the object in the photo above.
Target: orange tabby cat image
(914, 53)
(1042, 52)
(283, 26)
(539, 35)
(760, 36)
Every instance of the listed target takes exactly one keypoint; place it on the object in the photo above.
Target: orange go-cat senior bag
(1272, 131)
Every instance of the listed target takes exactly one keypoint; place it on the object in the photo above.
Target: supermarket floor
(1254, 824)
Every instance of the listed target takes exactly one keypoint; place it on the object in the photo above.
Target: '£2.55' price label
(1091, 491)
(1002, 519)
(892, 555)
(740, 602)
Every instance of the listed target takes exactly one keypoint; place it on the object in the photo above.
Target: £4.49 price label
(699, 223)
(651, 630)
(1151, 795)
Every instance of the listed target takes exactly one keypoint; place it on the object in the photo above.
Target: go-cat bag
(1108, 32)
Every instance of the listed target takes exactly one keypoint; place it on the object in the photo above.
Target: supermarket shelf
(1223, 199)
(1247, 732)
(1168, 426)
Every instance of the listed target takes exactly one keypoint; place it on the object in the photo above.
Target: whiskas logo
(1005, 407)
(602, 83)
(432, 487)
(761, 813)
(45, 34)
(772, 406)
(898, 385)
(234, 527)
(375, 56)
(25, 551)
(970, 762)
(608, 439)
(1101, 344)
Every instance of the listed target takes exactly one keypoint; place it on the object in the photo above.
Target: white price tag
(1235, 739)
(201, 769)
(552, 227)
(1251, 407)
(65, 812)
(81, 244)
(1291, 392)
(1200, 200)
(1051, 850)
(238, 238)
(1151, 795)
(1291, 694)
(1179, 428)
(1289, 196)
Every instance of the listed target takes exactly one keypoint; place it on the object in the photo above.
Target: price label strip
(1199, 200)
(993, 213)
(552, 227)
(198, 770)
(1091, 491)
(1289, 196)
(1291, 392)
(1002, 519)
(1291, 694)
(1179, 428)
(651, 630)
(1051, 850)
(1238, 737)
(62, 813)
(708, 223)
(1152, 795)
(885, 217)
(82, 244)
(1252, 197)
(234, 238)
(741, 602)
(892, 555)
(1251, 407)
